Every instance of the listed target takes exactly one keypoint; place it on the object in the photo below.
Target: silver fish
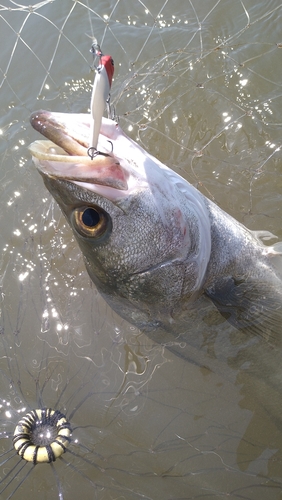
(155, 247)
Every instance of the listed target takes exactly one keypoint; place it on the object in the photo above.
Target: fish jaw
(65, 156)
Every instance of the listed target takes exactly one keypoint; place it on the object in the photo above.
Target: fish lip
(52, 126)
(64, 155)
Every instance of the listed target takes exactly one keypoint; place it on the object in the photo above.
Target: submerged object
(156, 248)
(42, 435)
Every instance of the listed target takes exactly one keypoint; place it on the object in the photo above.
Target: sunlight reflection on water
(199, 88)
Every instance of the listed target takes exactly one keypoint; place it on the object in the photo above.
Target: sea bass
(155, 247)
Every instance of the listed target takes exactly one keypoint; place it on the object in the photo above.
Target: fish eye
(91, 222)
(90, 217)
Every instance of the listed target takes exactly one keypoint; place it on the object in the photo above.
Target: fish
(156, 248)
(167, 259)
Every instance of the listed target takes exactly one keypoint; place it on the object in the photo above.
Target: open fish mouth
(65, 154)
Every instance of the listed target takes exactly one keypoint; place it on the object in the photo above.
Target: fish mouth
(64, 155)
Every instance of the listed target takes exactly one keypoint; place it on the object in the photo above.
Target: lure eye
(91, 222)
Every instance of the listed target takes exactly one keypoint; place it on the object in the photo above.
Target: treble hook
(93, 152)
(111, 145)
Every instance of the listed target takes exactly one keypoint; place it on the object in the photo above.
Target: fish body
(155, 247)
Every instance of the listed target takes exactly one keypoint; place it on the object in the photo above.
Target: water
(200, 87)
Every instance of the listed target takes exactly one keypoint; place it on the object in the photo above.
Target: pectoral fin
(250, 305)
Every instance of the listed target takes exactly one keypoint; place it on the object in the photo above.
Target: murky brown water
(199, 84)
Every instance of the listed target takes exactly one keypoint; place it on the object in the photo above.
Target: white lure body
(100, 95)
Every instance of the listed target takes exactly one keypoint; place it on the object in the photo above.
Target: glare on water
(198, 85)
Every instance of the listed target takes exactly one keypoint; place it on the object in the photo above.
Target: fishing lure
(100, 95)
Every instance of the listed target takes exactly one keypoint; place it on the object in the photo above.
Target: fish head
(144, 246)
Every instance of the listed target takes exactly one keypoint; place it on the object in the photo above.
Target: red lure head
(108, 63)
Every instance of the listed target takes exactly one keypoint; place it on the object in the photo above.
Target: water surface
(199, 85)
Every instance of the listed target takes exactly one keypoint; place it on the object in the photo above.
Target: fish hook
(93, 152)
(111, 145)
